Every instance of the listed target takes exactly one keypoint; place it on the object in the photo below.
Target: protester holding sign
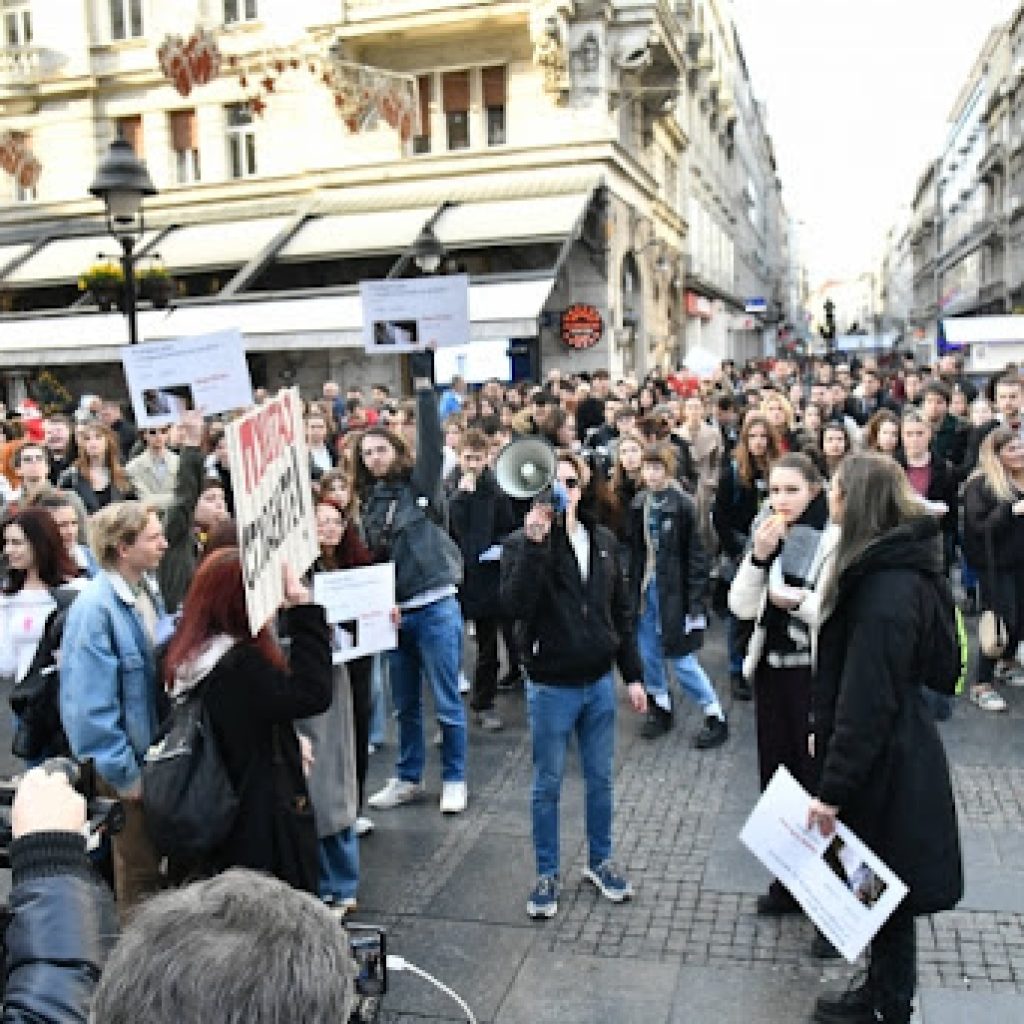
(402, 513)
(882, 767)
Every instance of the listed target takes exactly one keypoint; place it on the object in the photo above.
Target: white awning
(968, 330)
(540, 218)
(345, 234)
(499, 309)
(230, 243)
(9, 253)
(63, 260)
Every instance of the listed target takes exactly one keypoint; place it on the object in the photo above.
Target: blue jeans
(556, 712)
(339, 865)
(430, 645)
(378, 700)
(689, 674)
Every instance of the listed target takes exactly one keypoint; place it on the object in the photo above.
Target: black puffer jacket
(984, 513)
(879, 755)
(571, 633)
(681, 568)
(736, 507)
(61, 929)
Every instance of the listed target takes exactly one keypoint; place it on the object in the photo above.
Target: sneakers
(489, 720)
(363, 826)
(394, 793)
(612, 885)
(657, 723)
(986, 698)
(853, 1006)
(454, 796)
(464, 684)
(714, 733)
(340, 906)
(543, 901)
(741, 688)
(1009, 675)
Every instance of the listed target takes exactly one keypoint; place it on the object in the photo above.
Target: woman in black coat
(253, 697)
(881, 764)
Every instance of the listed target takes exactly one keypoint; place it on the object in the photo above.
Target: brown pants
(136, 863)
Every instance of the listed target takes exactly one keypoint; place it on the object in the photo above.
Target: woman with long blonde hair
(994, 546)
(97, 475)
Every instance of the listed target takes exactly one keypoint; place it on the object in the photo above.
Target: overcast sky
(858, 95)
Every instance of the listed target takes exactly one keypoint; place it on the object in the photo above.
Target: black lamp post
(121, 182)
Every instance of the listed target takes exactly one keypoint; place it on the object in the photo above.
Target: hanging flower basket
(156, 285)
(105, 282)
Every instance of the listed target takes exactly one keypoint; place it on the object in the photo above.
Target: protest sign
(207, 372)
(273, 500)
(359, 603)
(411, 314)
(842, 886)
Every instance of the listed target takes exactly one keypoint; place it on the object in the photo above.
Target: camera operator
(62, 920)
(561, 580)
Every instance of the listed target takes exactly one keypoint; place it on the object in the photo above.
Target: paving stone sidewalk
(690, 947)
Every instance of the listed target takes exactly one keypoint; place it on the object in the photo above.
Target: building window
(425, 88)
(239, 10)
(130, 129)
(455, 93)
(185, 146)
(125, 19)
(492, 82)
(671, 182)
(17, 24)
(241, 141)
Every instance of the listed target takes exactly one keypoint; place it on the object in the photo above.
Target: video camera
(104, 816)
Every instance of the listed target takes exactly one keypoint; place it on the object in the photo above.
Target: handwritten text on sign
(273, 500)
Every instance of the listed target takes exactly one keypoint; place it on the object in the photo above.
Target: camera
(368, 947)
(104, 816)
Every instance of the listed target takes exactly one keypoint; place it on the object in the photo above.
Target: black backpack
(188, 800)
(943, 656)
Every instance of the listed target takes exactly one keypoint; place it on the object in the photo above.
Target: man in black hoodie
(561, 581)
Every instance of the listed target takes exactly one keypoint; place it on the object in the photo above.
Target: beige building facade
(546, 143)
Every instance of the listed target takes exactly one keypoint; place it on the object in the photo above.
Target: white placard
(273, 500)
(205, 371)
(840, 883)
(359, 603)
(410, 314)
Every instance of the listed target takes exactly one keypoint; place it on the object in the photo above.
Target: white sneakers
(363, 826)
(395, 793)
(454, 795)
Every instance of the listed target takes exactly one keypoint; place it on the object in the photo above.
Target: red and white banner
(273, 500)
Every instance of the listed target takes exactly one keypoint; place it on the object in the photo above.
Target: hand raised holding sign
(294, 592)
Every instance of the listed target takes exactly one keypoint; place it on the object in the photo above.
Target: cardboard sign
(207, 372)
(273, 500)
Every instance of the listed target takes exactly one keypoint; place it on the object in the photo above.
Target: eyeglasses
(570, 482)
(33, 457)
(153, 431)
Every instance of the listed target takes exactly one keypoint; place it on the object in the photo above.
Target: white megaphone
(526, 467)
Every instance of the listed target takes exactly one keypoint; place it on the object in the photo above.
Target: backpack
(943, 662)
(188, 800)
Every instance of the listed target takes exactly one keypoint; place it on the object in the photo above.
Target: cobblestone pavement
(689, 947)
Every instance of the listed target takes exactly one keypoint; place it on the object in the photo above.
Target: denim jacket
(108, 683)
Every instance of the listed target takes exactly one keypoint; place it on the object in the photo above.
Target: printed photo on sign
(386, 332)
(204, 371)
(168, 401)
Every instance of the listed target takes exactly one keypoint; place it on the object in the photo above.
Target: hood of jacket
(194, 670)
(912, 545)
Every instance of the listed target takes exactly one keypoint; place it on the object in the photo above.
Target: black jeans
(1002, 591)
(892, 972)
(359, 677)
(485, 678)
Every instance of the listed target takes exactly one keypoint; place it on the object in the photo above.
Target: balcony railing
(367, 10)
(20, 65)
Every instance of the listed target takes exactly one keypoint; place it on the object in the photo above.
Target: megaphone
(525, 467)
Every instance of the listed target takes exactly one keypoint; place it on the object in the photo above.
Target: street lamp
(427, 251)
(121, 182)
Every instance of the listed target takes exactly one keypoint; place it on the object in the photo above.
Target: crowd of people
(791, 499)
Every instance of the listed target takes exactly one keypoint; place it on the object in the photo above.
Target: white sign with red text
(273, 500)
(207, 372)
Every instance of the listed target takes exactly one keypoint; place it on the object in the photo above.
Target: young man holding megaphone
(561, 580)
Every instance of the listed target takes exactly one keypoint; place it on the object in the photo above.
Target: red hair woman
(253, 696)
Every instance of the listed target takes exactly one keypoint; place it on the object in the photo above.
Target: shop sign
(582, 326)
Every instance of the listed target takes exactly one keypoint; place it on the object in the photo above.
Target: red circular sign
(582, 326)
